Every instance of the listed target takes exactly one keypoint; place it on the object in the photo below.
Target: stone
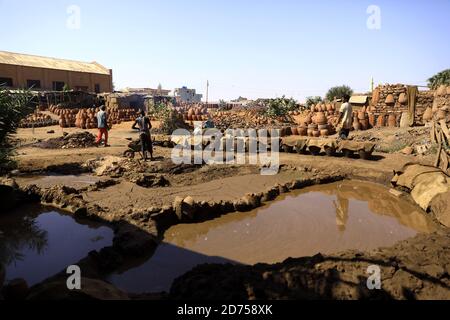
(408, 150)
(184, 208)
(270, 194)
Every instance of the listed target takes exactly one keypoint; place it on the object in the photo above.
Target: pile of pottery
(36, 120)
(116, 116)
(196, 114)
(67, 117)
(86, 118)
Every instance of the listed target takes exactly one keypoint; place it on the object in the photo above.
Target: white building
(187, 95)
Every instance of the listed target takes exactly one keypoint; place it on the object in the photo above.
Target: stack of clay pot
(116, 116)
(86, 118)
(392, 120)
(67, 117)
(321, 121)
(196, 114)
(36, 120)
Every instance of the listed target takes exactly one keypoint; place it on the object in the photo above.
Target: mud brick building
(43, 73)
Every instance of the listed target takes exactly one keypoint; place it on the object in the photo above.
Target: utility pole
(207, 90)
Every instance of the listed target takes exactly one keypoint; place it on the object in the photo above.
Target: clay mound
(69, 141)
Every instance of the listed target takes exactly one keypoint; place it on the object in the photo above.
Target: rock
(91, 289)
(253, 200)
(16, 289)
(270, 194)
(408, 150)
(241, 205)
(440, 206)
(395, 192)
(184, 208)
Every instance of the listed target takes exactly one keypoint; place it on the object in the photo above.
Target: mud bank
(140, 216)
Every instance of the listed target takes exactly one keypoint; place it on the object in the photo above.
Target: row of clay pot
(428, 115)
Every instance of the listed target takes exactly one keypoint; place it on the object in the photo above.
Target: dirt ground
(143, 194)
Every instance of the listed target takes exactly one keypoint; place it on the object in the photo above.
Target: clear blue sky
(252, 48)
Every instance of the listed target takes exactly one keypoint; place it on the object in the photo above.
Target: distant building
(42, 73)
(187, 95)
(148, 91)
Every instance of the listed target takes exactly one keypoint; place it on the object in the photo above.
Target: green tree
(338, 92)
(280, 106)
(13, 107)
(312, 101)
(441, 78)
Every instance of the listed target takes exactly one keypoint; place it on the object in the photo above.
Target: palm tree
(441, 78)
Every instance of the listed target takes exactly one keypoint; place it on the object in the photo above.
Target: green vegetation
(312, 101)
(338, 92)
(13, 107)
(441, 78)
(280, 106)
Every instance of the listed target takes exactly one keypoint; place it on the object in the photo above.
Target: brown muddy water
(49, 180)
(326, 219)
(37, 242)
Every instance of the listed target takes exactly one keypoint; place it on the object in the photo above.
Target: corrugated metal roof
(358, 99)
(27, 60)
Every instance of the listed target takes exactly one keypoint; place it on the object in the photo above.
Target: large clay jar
(364, 124)
(303, 131)
(392, 120)
(320, 118)
(372, 122)
(324, 132)
(390, 100)
(403, 99)
(62, 123)
(308, 119)
(381, 120)
(316, 133)
(362, 115)
(356, 124)
(428, 115)
(294, 131)
(375, 96)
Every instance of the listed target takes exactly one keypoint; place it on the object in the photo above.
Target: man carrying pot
(102, 125)
(345, 118)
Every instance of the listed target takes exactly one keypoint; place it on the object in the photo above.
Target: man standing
(345, 118)
(102, 124)
(144, 125)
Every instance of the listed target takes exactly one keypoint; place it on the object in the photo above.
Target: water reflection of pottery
(428, 114)
(392, 120)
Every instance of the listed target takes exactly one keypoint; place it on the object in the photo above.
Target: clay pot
(381, 121)
(392, 120)
(320, 118)
(294, 131)
(375, 96)
(324, 132)
(302, 131)
(356, 125)
(364, 124)
(403, 99)
(390, 99)
(308, 119)
(362, 115)
(372, 121)
(310, 132)
(62, 123)
(428, 115)
(316, 133)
